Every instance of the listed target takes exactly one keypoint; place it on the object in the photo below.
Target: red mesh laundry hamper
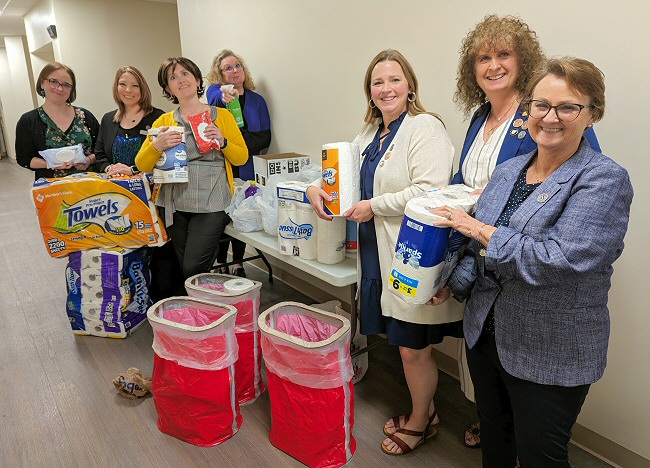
(244, 295)
(309, 370)
(193, 374)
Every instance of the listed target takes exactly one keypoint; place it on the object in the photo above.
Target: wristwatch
(134, 170)
(225, 143)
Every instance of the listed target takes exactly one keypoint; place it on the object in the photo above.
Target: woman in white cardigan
(405, 152)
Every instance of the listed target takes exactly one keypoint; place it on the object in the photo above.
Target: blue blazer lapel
(475, 125)
(512, 143)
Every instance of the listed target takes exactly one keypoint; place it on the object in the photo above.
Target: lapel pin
(521, 135)
(518, 123)
(542, 197)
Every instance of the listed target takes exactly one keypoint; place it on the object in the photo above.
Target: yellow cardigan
(236, 153)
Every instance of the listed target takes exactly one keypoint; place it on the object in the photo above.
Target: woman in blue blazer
(537, 272)
(230, 68)
(492, 74)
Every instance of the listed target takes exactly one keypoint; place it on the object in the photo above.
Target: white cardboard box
(267, 165)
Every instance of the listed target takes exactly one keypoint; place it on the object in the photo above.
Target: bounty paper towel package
(424, 254)
(340, 164)
(108, 291)
(296, 221)
(85, 211)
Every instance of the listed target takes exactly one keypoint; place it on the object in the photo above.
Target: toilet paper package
(351, 236)
(341, 176)
(111, 287)
(331, 240)
(296, 221)
(425, 254)
(171, 168)
(87, 211)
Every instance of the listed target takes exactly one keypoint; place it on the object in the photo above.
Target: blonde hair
(495, 32)
(414, 107)
(581, 75)
(145, 92)
(216, 75)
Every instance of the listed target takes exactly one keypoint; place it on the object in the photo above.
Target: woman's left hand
(212, 132)
(84, 165)
(441, 296)
(360, 213)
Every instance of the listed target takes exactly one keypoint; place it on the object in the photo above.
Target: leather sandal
(397, 425)
(473, 432)
(429, 432)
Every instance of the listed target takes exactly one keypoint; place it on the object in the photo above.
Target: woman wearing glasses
(229, 68)
(498, 59)
(194, 211)
(56, 124)
(537, 272)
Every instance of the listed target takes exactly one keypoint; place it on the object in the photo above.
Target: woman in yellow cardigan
(194, 211)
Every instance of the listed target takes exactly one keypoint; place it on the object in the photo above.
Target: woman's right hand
(316, 196)
(227, 97)
(167, 139)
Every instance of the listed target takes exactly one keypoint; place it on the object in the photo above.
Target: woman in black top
(119, 135)
(56, 124)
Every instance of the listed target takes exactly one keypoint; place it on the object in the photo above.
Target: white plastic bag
(244, 212)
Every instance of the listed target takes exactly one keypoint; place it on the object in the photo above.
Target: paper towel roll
(307, 222)
(341, 176)
(237, 286)
(422, 250)
(331, 240)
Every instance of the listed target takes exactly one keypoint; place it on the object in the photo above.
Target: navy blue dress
(400, 333)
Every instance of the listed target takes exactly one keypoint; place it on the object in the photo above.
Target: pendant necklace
(490, 131)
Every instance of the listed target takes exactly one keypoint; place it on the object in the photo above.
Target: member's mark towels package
(425, 254)
(309, 371)
(193, 381)
(87, 211)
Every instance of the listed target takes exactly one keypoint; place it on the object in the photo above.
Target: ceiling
(11, 20)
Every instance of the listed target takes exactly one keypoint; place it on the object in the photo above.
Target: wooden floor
(58, 406)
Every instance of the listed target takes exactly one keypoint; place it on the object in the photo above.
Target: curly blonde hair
(496, 32)
(216, 76)
(413, 107)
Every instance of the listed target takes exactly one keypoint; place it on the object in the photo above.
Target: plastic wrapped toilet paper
(331, 240)
(307, 244)
(351, 236)
(425, 255)
(296, 221)
(341, 163)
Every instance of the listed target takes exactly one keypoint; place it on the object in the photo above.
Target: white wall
(96, 37)
(15, 86)
(309, 59)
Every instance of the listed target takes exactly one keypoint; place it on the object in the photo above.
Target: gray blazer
(547, 275)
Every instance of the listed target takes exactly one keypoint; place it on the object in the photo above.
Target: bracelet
(108, 168)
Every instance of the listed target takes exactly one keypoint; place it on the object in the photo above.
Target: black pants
(196, 239)
(518, 417)
(238, 249)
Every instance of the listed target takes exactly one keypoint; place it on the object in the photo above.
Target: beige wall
(309, 59)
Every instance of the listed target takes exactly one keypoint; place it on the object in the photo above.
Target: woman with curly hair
(498, 58)
(229, 68)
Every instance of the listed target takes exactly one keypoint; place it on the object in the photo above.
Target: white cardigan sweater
(419, 158)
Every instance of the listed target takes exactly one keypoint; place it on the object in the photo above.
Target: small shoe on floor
(223, 271)
(473, 436)
(239, 271)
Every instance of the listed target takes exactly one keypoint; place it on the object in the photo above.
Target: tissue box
(267, 165)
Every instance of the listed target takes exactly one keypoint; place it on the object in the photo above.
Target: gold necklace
(490, 131)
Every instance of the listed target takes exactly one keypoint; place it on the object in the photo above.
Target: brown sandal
(429, 432)
(397, 426)
(473, 432)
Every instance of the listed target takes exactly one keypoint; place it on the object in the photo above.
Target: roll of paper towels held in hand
(341, 163)
(425, 255)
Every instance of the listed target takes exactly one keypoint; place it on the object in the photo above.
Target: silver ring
(449, 215)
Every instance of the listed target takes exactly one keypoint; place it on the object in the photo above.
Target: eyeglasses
(54, 83)
(564, 112)
(231, 69)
